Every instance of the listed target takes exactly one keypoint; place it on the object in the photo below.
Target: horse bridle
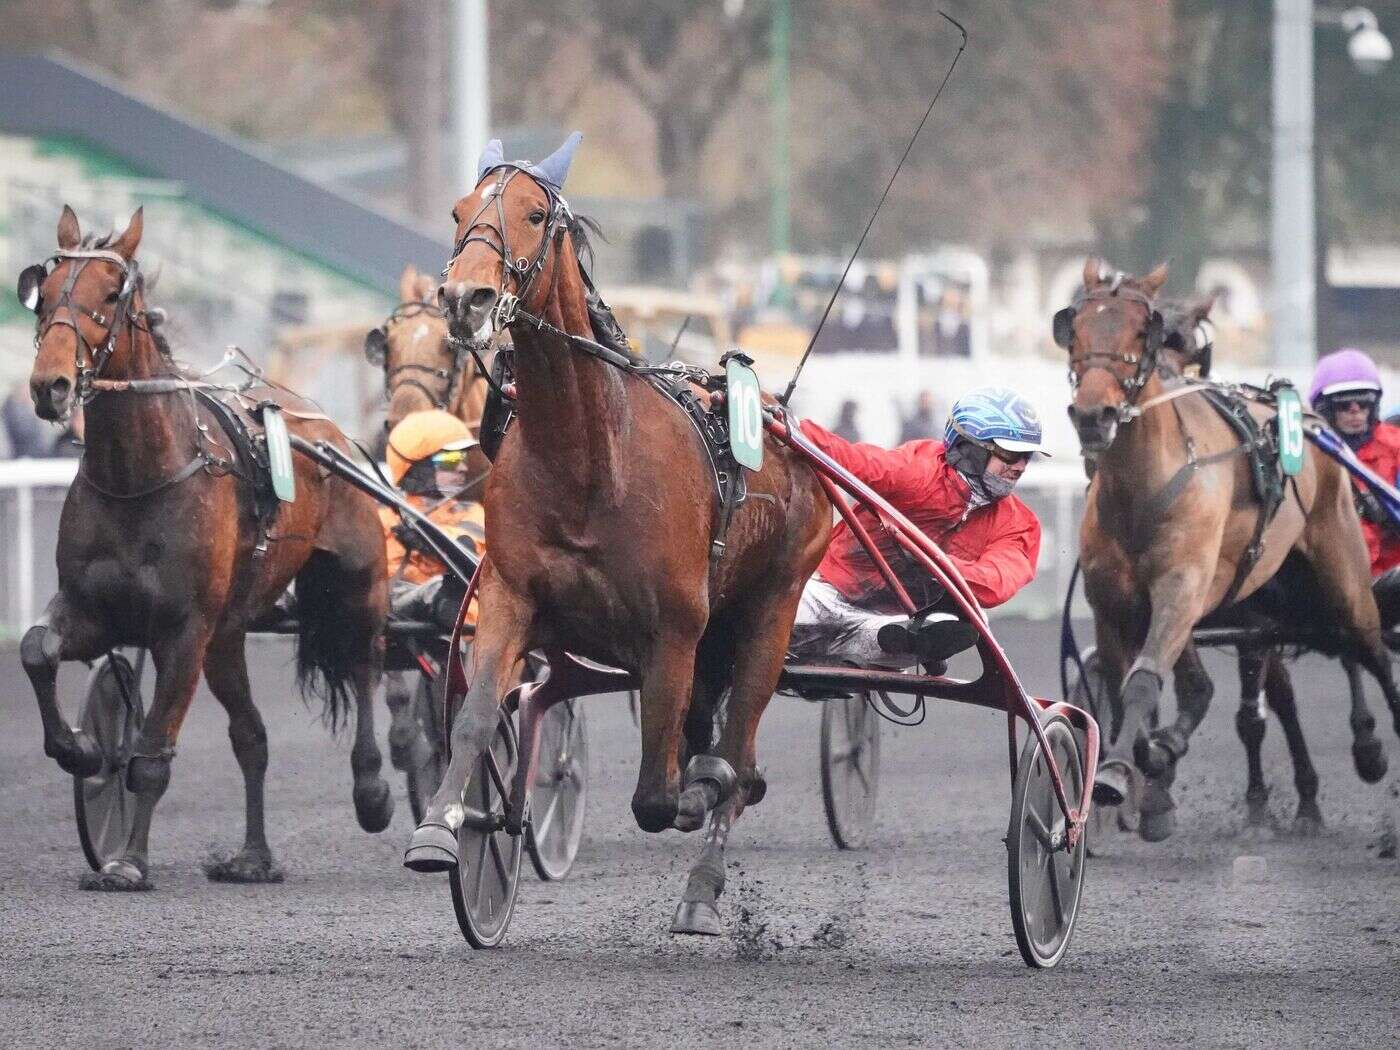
(376, 351)
(1144, 364)
(521, 270)
(122, 313)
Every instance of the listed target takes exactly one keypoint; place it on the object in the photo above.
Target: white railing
(32, 493)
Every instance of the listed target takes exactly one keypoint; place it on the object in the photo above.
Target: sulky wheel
(487, 875)
(112, 717)
(559, 793)
(425, 765)
(1046, 877)
(850, 761)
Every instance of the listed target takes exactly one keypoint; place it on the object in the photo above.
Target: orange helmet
(423, 434)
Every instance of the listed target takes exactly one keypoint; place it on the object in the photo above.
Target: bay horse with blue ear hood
(1172, 530)
(601, 514)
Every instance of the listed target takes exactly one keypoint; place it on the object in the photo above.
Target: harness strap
(1149, 518)
(188, 470)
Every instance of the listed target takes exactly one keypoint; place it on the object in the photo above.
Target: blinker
(30, 287)
(1064, 327)
(376, 346)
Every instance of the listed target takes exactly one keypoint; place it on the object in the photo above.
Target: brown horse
(159, 547)
(1168, 527)
(422, 368)
(600, 514)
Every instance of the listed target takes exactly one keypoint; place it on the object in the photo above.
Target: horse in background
(423, 368)
(165, 544)
(1169, 535)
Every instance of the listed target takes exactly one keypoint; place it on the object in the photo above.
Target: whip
(787, 394)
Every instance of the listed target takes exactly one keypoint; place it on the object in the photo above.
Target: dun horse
(600, 515)
(1169, 535)
(159, 547)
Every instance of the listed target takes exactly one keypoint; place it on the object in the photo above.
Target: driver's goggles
(449, 458)
(1352, 401)
(1007, 456)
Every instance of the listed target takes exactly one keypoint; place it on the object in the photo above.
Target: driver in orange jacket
(429, 458)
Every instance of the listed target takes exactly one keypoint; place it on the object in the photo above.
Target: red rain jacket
(995, 547)
(1381, 454)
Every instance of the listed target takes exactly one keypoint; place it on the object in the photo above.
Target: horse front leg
(493, 666)
(179, 661)
(60, 635)
(1194, 691)
(667, 680)
(1176, 601)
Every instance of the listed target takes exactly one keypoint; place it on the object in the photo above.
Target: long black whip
(787, 394)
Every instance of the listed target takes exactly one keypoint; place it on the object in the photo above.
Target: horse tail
(328, 648)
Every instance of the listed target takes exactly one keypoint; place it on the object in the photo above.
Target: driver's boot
(933, 639)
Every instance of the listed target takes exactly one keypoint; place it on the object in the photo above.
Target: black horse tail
(329, 649)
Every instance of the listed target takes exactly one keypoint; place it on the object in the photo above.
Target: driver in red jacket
(959, 493)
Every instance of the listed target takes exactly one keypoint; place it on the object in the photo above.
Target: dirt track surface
(908, 942)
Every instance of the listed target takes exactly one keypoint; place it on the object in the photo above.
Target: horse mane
(584, 228)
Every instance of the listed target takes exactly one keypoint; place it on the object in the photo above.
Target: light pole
(471, 91)
(1292, 227)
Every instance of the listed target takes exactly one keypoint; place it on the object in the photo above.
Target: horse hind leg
(1366, 751)
(1279, 690)
(1251, 726)
(340, 608)
(757, 666)
(226, 671)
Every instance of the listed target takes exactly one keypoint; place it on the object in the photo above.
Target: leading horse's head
(84, 296)
(505, 229)
(421, 368)
(1113, 333)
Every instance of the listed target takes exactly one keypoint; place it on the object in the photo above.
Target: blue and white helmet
(994, 415)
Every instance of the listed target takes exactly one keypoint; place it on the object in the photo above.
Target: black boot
(932, 641)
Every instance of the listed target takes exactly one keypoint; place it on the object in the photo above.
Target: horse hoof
(1111, 784)
(1308, 823)
(700, 918)
(374, 805)
(243, 867)
(117, 876)
(80, 758)
(758, 788)
(690, 811)
(1151, 757)
(1157, 827)
(1370, 760)
(431, 848)
(655, 815)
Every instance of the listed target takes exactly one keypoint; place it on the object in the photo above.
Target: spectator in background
(923, 423)
(846, 426)
(27, 435)
(952, 335)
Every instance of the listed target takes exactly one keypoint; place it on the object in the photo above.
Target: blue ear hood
(555, 168)
(493, 156)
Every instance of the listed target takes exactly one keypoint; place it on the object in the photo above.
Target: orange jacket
(1381, 454)
(995, 547)
(458, 520)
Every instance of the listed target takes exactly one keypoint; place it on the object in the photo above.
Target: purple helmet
(1344, 370)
